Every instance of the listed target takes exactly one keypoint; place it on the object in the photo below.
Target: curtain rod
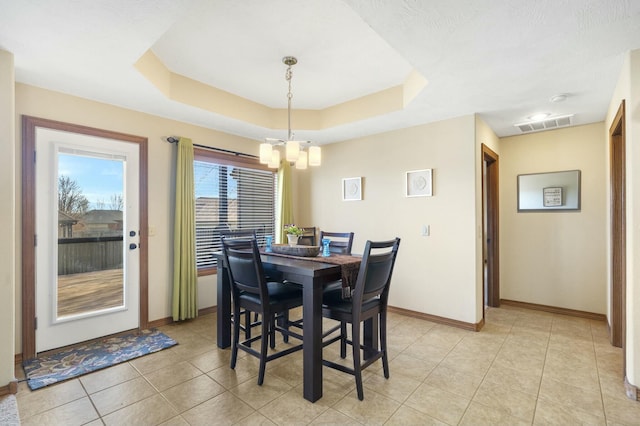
(174, 139)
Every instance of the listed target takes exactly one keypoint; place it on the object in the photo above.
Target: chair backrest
(309, 236)
(376, 268)
(341, 242)
(244, 266)
(238, 233)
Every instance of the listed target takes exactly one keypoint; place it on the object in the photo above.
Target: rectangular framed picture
(549, 191)
(352, 189)
(418, 183)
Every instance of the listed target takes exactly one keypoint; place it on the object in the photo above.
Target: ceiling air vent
(546, 124)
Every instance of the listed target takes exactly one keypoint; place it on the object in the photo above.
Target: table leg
(312, 340)
(224, 309)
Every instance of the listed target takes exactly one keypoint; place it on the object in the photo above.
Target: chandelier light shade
(315, 156)
(301, 163)
(265, 153)
(294, 151)
(274, 162)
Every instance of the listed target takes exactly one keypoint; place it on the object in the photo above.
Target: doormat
(47, 370)
(9, 411)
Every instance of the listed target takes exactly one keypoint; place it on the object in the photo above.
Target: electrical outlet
(426, 230)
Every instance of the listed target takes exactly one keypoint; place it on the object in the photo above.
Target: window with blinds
(232, 193)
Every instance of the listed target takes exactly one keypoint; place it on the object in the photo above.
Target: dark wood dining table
(313, 275)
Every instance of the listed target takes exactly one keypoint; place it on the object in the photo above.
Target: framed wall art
(352, 189)
(543, 192)
(552, 197)
(418, 183)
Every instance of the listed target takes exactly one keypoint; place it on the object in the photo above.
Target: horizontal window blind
(230, 197)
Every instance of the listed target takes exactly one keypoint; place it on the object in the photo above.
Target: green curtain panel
(285, 197)
(185, 273)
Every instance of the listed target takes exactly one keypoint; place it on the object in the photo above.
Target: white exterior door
(87, 227)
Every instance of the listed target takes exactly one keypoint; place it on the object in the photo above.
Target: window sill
(207, 271)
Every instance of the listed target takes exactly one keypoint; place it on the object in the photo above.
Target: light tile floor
(524, 367)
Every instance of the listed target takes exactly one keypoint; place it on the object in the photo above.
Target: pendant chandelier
(294, 150)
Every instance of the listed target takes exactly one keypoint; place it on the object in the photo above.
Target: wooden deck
(89, 291)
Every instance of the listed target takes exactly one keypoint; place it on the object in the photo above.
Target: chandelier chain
(288, 75)
(294, 152)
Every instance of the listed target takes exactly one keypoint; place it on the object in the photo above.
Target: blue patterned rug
(74, 362)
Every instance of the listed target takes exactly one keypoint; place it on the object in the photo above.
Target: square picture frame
(419, 183)
(352, 189)
(552, 196)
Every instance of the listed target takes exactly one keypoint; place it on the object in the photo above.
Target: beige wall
(435, 274)
(56, 106)
(7, 218)
(555, 258)
(628, 89)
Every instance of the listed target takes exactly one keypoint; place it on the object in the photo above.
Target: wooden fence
(77, 255)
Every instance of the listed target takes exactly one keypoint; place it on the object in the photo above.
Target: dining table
(312, 273)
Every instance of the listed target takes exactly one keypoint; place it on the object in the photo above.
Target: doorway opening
(52, 257)
(617, 167)
(490, 229)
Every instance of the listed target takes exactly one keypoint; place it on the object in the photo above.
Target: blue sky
(206, 180)
(99, 178)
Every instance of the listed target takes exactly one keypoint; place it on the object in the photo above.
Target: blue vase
(269, 240)
(325, 247)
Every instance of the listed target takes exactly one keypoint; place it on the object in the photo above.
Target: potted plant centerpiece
(293, 233)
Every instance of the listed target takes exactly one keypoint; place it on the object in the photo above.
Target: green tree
(71, 200)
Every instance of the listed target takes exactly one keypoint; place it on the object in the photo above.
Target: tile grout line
(595, 355)
(434, 367)
(90, 400)
(485, 374)
(408, 396)
(544, 363)
(400, 402)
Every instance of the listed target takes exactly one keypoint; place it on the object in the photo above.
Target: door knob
(132, 246)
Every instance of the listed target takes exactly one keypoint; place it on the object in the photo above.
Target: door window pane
(90, 234)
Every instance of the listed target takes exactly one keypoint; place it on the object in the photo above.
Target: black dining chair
(340, 243)
(368, 300)
(248, 323)
(271, 276)
(251, 291)
(309, 236)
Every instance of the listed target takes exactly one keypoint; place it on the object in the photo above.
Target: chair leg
(285, 324)
(383, 343)
(264, 341)
(272, 331)
(247, 326)
(236, 337)
(357, 370)
(343, 339)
